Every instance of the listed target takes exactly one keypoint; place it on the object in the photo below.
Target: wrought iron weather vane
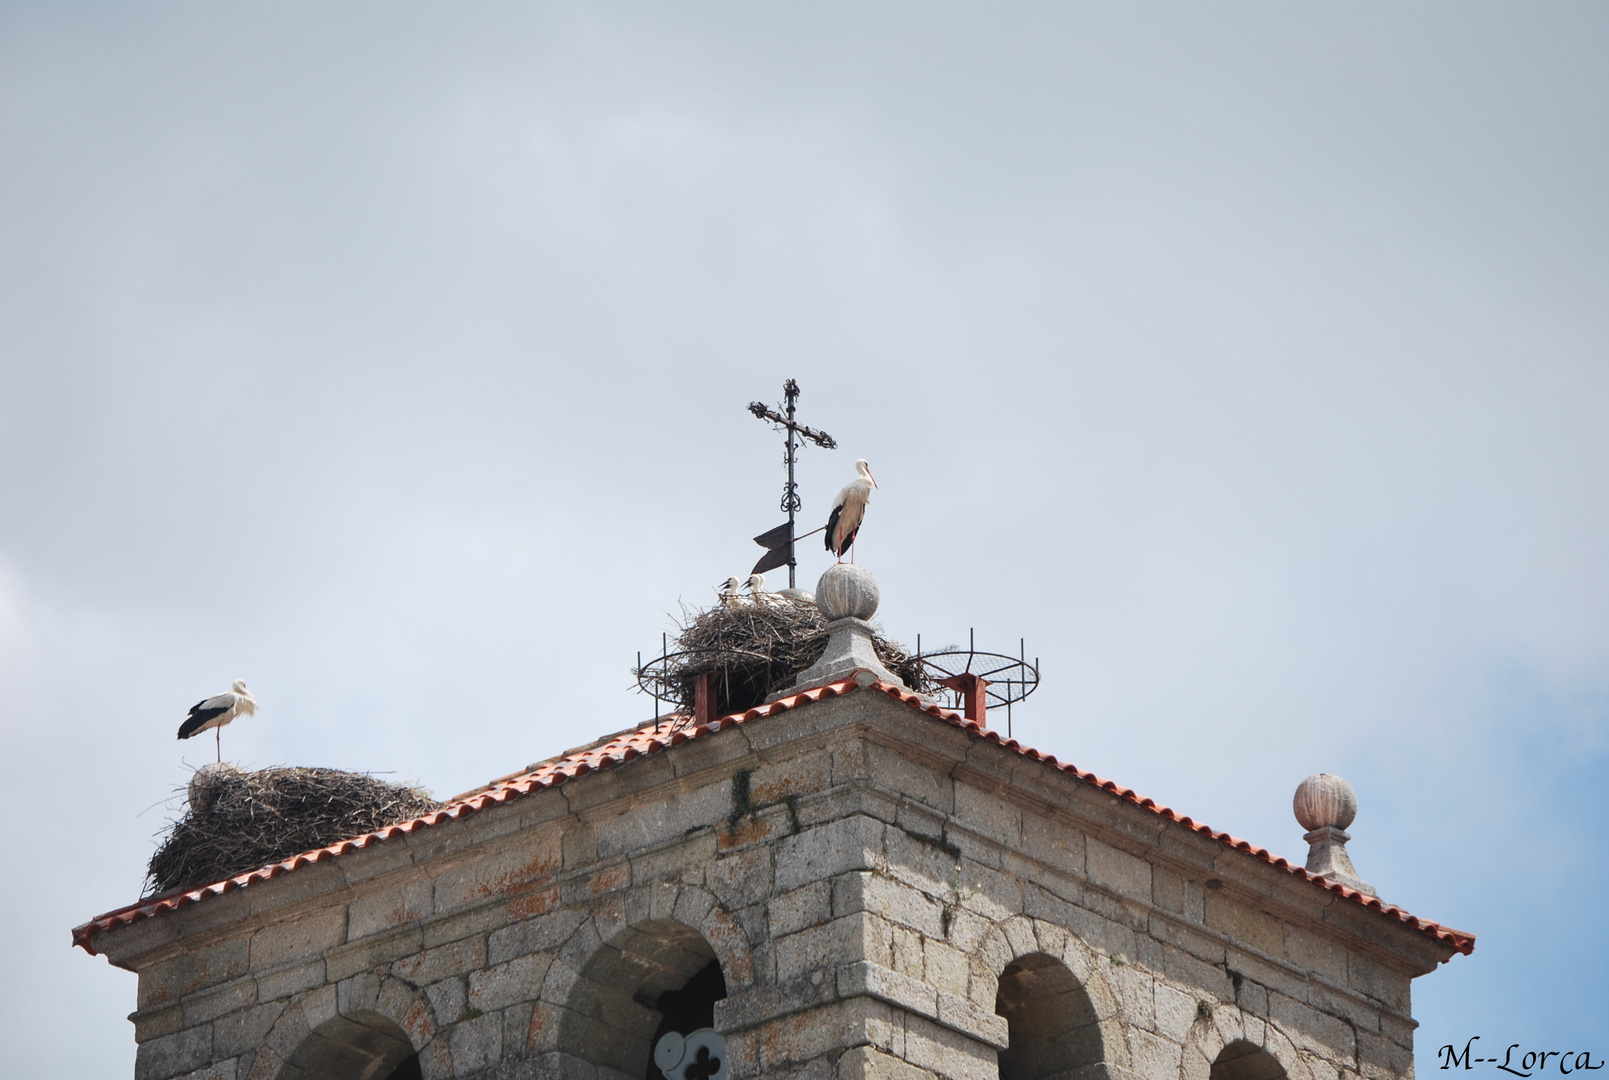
(779, 541)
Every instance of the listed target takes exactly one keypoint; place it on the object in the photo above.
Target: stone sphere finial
(847, 596)
(847, 591)
(1325, 801)
(207, 783)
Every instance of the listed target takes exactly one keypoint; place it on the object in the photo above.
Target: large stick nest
(756, 648)
(239, 821)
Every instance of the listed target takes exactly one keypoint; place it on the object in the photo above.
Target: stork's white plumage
(217, 711)
(849, 510)
(757, 588)
(729, 590)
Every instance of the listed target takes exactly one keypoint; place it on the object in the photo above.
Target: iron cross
(779, 541)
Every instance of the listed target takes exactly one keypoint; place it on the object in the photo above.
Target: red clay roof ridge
(673, 730)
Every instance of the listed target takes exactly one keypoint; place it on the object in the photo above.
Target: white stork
(757, 589)
(729, 590)
(849, 510)
(217, 711)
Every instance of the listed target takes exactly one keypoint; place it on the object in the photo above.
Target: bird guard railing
(972, 682)
(666, 677)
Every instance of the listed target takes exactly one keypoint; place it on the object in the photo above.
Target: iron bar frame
(790, 493)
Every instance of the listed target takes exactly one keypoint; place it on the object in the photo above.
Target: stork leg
(217, 736)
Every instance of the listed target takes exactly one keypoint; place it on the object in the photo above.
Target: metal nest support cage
(670, 680)
(735, 656)
(972, 682)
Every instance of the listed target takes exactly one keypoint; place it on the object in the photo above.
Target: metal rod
(797, 434)
(790, 390)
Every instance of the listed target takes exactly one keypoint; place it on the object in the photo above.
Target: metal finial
(778, 542)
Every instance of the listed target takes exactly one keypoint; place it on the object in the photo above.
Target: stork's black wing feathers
(832, 527)
(199, 715)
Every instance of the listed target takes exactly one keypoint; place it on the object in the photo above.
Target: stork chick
(757, 589)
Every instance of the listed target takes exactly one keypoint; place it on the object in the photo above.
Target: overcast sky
(1247, 360)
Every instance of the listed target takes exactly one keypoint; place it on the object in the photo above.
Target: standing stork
(217, 711)
(849, 510)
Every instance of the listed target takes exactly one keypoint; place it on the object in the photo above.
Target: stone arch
(1245, 1060)
(1227, 1043)
(1053, 1028)
(372, 1026)
(355, 1046)
(653, 976)
(1020, 937)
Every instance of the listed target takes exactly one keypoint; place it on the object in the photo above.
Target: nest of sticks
(756, 648)
(239, 821)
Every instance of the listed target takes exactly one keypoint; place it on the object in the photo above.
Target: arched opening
(1241, 1060)
(363, 1046)
(653, 978)
(1054, 1032)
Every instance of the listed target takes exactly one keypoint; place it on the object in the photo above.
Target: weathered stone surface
(389, 908)
(824, 852)
(475, 1044)
(298, 939)
(1245, 925)
(864, 900)
(223, 1070)
(741, 879)
(153, 1023)
(169, 1056)
(518, 980)
(1125, 873)
(459, 958)
(226, 999)
(804, 907)
(195, 969)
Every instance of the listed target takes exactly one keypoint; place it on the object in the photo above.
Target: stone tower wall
(864, 875)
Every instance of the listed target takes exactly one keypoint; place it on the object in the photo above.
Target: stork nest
(239, 821)
(756, 648)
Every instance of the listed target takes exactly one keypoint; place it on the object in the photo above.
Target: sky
(1246, 361)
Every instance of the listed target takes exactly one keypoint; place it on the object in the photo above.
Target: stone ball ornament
(847, 591)
(1325, 801)
(847, 597)
(700, 1055)
(204, 784)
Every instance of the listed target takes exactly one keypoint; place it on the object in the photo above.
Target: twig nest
(239, 821)
(755, 648)
(847, 591)
(207, 783)
(1325, 801)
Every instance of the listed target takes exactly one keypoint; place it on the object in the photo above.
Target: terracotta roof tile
(673, 731)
